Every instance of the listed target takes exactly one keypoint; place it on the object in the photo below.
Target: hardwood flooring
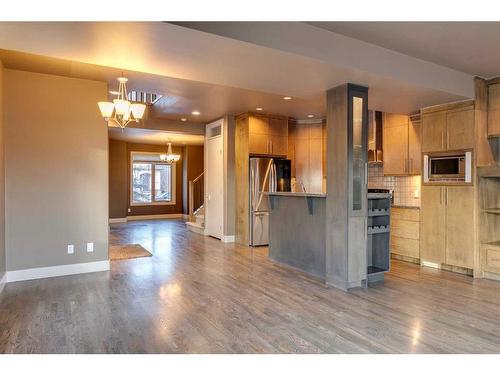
(198, 295)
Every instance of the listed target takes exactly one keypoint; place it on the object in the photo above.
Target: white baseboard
(153, 217)
(117, 220)
(228, 238)
(54, 271)
(3, 281)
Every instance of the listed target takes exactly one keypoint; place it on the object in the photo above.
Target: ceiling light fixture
(196, 113)
(287, 98)
(170, 157)
(183, 119)
(310, 116)
(258, 109)
(121, 111)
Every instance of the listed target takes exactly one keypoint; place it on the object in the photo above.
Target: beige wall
(56, 159)
(119, 186)
(2, 183)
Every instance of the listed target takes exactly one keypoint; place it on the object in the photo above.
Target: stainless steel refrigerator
(266, 174)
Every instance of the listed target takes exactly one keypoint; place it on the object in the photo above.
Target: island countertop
(293, 194)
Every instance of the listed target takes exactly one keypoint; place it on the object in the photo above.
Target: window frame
(153, 202)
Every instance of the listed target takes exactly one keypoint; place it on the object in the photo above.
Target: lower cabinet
(405, 232)
(447, 225)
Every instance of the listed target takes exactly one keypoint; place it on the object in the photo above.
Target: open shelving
(378, 246)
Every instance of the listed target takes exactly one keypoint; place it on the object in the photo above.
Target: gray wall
(118, 179)
(2, 182)
(56, 157)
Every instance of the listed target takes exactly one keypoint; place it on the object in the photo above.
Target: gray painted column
(345, 223)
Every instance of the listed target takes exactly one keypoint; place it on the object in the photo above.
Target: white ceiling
(470, 47)
(278, 59)
(156, 137)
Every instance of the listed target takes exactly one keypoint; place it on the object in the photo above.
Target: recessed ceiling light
(310, 116)
(183, 119)
(196, 113)
(258, 109)
(287, 98)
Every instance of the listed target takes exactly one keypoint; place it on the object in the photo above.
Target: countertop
(292, 194)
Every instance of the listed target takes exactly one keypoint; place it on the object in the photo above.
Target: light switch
(71, 249)
(416, 194)
(90, 247)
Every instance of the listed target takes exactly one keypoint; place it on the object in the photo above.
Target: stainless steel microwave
(448, 168)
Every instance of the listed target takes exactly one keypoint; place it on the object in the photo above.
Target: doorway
(214, 166)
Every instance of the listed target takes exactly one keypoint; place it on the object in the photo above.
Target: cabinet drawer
(491, 259)
(405, 229)
(411, 214)
(405, 246)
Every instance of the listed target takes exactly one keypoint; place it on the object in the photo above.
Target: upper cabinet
(445, 130)
(401, 145)
(494, 110)
(268, 135)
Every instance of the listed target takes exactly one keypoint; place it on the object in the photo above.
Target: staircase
(196, 199)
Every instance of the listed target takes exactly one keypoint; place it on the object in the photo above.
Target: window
(152, 180)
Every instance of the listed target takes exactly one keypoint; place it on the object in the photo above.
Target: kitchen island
(297, 230)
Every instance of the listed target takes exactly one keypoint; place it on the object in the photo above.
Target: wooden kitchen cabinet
(401, 145)
(447, 225)
(414, 147)
(405, 232)
(460, 129)
(395, 144)
(459, 202)
(306, 149)
(268, 136)
(494, 110)
(433, 131)
(448, 130)
(432, 224)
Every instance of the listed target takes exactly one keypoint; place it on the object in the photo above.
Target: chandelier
(121, 111)
(170, 157)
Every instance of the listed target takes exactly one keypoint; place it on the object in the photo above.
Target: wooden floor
(198, 295)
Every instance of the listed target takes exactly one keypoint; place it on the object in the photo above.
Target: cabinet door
(258, 125)
(433, 132)
(395, 144)
(302, 164)
(494, 110)
(278, 126)
(460, 226)
(315, 165)
(258, 144)
(414, 149)
(278, 145)
(460, 129)
(432, 224)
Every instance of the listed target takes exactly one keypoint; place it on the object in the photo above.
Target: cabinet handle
(441, 196)
(411, 166)
(447, 141)
(446, 196)
(442, 138)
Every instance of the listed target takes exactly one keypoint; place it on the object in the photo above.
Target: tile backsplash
(406, 189)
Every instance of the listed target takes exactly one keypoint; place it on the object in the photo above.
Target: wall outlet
(90, 247)
(71, 249)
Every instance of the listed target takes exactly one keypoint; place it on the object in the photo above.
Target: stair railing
(196, 195)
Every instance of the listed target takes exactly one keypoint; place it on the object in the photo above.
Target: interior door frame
(208, 129)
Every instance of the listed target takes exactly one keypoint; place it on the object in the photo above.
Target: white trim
(3, 282)
(117, 220)
(430, 264)
(54, 271)
(468, 166)
(228, 238)
(153, 217)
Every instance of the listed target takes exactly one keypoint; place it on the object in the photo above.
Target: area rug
(129, 251)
